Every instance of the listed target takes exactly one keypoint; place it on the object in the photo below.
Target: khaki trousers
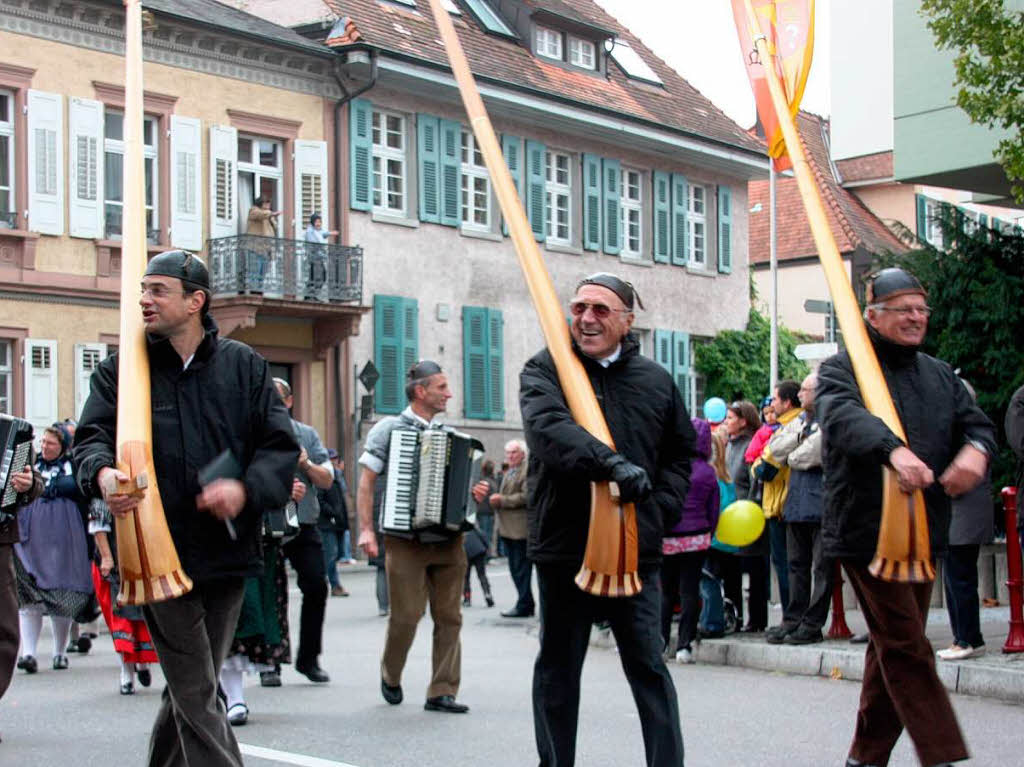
(418, 573)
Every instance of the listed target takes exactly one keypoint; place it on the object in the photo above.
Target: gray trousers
(192, 635)
(810, 577)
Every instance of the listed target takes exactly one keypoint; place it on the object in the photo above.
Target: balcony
(285, 270)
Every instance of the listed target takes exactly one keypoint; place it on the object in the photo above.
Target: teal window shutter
(662, 222)
(536, 199)
(429, 167)
(387, 341)
(922, 216)
(982, 220)
(512, 148)
(681, 364)
(450, 183)
(495, 365)
(680, 233)
(663, 348)
(611, 198)
(410, 339)
(474, 360)
(591, 202)
(360, 142)
(724, 229)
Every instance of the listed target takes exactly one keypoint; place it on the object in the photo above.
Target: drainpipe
(346, 97)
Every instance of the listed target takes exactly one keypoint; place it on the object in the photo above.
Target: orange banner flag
(788, 26)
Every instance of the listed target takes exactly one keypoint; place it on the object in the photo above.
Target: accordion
(16, 442)
(430, 479)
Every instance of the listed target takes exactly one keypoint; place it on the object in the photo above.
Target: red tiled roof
(678, 105)
(852, 224)
(868, 167)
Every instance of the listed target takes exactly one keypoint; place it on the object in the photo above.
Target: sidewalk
(993, 675)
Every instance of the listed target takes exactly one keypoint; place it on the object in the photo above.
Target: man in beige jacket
(510, 508)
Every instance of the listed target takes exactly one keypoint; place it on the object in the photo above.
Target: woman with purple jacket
(686, 545)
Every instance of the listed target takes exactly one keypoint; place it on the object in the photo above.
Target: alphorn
(610, 560)
(148, 562)
(904, 552)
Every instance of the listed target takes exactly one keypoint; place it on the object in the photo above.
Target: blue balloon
(715, 410)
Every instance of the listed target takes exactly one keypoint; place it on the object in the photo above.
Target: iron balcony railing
(294, 270)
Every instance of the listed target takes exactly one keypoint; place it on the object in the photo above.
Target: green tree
(988, 41)
(736, 366)
(975, 288)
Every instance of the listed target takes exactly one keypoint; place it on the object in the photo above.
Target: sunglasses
(601, 311)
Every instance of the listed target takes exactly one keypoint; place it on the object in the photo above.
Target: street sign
(369, 375)
(815, 351)
(365, 407)
(815, 306)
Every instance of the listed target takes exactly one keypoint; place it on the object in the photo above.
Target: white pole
(773, 302)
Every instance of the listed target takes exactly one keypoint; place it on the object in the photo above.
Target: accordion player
(430, 478)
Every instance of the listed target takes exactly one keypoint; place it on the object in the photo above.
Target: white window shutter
(87, 359)
(45, 162)
(40, 383)
(186, 183)
(310, 183)
(223, 181)
(85, 185)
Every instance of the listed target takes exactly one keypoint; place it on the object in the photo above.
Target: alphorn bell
(149, 565)
(904, 551)
(610, 561)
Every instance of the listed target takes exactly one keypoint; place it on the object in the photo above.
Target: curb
(1001, 681)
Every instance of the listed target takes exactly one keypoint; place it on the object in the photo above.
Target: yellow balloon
(740, 523)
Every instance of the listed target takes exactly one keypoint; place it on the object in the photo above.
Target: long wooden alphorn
(148, 562)
(610, 561)
(904, 551)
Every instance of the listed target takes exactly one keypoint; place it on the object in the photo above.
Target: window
(489, 18)
(260, 174)
(476, 191)
(6, 376)
(483, 363)
(396, 349)
(631, 63)
(113, 178)
(558, 187)
(696, 223)
(632, 214)
(8, 209)
(389, 194)
(933, 230)
(581, 53)
(549, 43)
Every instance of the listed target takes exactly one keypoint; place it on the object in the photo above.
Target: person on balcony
(263, 222)
(316, 256)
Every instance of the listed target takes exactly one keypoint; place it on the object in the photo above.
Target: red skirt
(131, 637)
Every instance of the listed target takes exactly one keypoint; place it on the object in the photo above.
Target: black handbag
(281, 525)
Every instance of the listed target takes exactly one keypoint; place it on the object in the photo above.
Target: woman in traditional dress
(127, 625)
(52, 559)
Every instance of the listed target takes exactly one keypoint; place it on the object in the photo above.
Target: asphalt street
(730, 716)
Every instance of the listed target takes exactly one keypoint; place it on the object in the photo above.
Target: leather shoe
(517, 613)
(804, 635)
(238, 715)
(776, 634)
(270, 679)
(127, 688)
(28, 664)
(145, 677)
(392, 695)
(445, 703)
(313, 672)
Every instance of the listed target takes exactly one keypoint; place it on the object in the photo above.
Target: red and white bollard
(838, 629)
(1014, 580)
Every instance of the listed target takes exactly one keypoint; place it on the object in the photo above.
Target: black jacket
(1014, 426)
(938, 417)
(333, 506)
(650, 427)
(225, 399)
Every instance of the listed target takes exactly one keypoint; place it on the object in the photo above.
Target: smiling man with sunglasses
(654, 441)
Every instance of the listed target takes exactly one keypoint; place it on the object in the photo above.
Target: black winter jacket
(650, 427)
(225, 399)
(938, 417)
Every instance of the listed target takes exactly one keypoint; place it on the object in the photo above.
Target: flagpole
(773, 270)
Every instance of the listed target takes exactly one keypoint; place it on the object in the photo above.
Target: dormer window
(549, 43)
(581, 52)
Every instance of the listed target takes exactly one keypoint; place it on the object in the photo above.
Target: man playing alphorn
(949, 441)
(209, 395)
(651, 464)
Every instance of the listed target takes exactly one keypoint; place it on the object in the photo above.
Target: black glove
(633, 482)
